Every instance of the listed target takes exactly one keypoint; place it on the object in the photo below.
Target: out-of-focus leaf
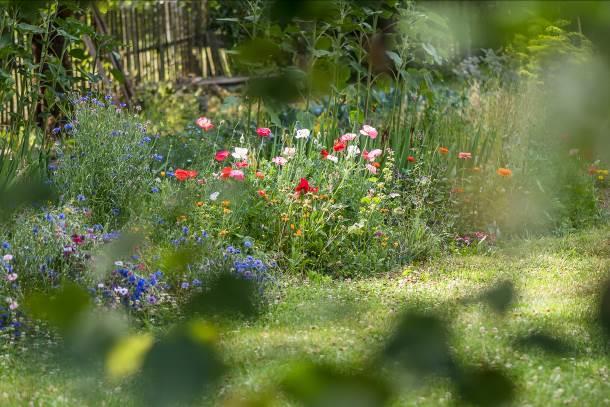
(258, 51)
(21, 194)
(61, 309)
(127, 356)
(178, 369)
(325, 386)
(604, 308)
(395, 58)
(545, 342)
(420, 343)
(500, 296)
(118, 249)
(226, 295)
(174, 261)
(485, 387)
(283, 88)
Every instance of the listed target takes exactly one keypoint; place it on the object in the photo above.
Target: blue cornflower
(115, 133)
(52, 167)
(169, 174)
(108, 97)
(145, 139)
(48, 217)
(6, 245)
(61, 216)
(68, 126)
(196, 283)
(81, 198)
(185, 230)
(123, 104)
(157, 157)
(154, 190)
(248, 244)
(115, 211)
(232, 250)
(184, 285)
(35, 230)
(56, 130)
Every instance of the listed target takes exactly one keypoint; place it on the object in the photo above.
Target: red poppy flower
(339, 146)
(241, 164)
(226, 172)
(183, 175)
(411, 159)
(259, 175)
(303, 187)
(262, 193)
(221, 155)
(263, 131)
(324, 153)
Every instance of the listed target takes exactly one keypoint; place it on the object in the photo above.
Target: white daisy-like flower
(240, 153)
(302, 133)
(214, 196)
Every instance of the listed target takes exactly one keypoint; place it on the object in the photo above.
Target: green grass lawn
(346, 322)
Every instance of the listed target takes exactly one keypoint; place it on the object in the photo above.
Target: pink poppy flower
(371, 155)
(237, 174)
(263, 131)
(464, 156)
(279, 160)
(205, 123)
(348, 137)
(372, 169)
(11, 276)
(368, 131)
(221, 155)
(241, 164)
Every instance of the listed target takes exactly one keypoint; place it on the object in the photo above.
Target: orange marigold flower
(200, 204)
(504, 172)
(376, 165)
(443, 150)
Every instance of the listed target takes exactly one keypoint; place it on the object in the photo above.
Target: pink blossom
(372, 169)
(279, 160)
(11, 276)
(13, 305)
(332, 158)
(237, 174)
(370, 156)
(263, 131)
(464, 156)
(368, 131)
(348, 137)
(7, 257)
(205, 123)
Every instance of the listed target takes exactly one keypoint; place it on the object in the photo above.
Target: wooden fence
(167, 40)
(161, 40)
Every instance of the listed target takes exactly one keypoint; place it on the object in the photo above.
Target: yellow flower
(181, 218)
(600, 177)
(298, 233)
(223, 232)
(226, 210)
(284, 217)
(226, 203)
(162, 173)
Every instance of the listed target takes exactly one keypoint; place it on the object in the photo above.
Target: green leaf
(61, 308)
(395, 58)
(28, 28)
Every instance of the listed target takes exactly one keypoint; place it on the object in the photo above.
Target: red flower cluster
(183, 175)
(303, 187)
